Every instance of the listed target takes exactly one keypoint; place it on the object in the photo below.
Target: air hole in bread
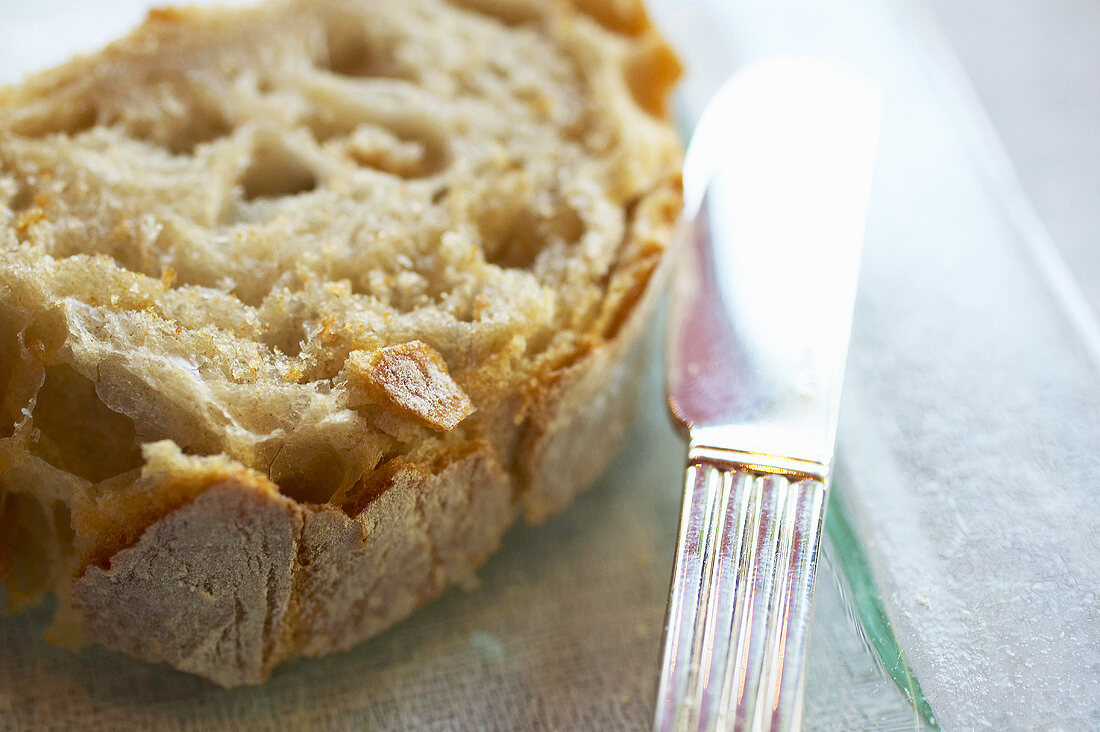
(311, 475)
(10, 413)
(305, 488)
(20, 372)
(288, 339)
(440, 194)
(330, 122)
(517, 251)
(508, 12)
(286, 321)
(22, 199)
(351, 53)
(276, 172)
(78, 433)
(68, 119)
(517, 243)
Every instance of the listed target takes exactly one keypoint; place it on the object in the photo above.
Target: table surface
(968, 440)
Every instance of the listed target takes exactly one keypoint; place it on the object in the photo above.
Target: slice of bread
(301, 305)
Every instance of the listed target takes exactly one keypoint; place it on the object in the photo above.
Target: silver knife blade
(777, 181)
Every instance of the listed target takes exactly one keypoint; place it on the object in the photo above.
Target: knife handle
(738, 620)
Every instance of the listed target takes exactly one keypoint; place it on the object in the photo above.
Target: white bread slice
(301, 304)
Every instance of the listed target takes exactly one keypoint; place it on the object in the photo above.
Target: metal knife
(777, 181)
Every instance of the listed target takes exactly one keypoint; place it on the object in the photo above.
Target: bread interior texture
(309, 242)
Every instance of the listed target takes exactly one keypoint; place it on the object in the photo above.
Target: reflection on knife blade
(776, 182)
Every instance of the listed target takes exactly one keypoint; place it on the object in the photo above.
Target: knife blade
(777, 182)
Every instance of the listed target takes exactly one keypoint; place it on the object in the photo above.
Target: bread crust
(186, 555)
(242, 577)
(589, 406)
(203, 588)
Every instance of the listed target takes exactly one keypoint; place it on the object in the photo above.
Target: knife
(776, 183)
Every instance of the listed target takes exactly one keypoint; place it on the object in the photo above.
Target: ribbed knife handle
(737, 629)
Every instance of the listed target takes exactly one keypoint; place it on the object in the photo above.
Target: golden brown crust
(412, 379)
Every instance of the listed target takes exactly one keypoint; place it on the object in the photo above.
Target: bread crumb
(413, 379)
